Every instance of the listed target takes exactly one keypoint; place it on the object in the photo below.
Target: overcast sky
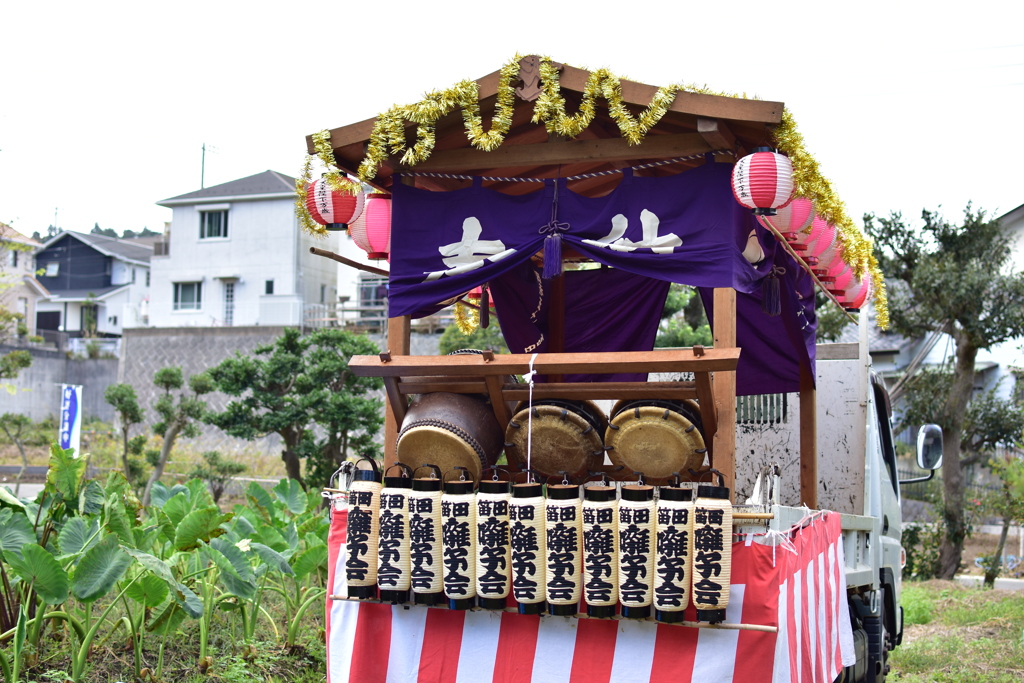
(105, 106)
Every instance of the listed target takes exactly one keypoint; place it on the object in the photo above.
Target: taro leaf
(90, 500)
(117, 520)
(315, 524)
(99, 569)
(200, 493)
(148, 590)
(235, 584)
(15, 531)
(199, 525)
(39, 568)
(291, 494)
(160, 494)
(146, 536)
(235, 556)
(260, 501)
(312, 540)
(177, 506)
(166, 526)
(7, 498)
(167, 620)
(272, 537)
(181, 593)
(310, 560)
(76, 533)
(273, 558)
(65, 473)
(291, 535)
(118, 483)
(243, 527)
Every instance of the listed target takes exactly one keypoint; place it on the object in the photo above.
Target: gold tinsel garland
(466, 319)
(389, 137)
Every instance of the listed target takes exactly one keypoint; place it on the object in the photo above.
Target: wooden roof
(694, 125)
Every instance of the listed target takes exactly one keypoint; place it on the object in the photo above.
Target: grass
(955, 634)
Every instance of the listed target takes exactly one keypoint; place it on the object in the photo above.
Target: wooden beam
(398, 345)
(724, 448)
(716, 133)
(662, 360)
(710, 106)
(574, 151)
(808, 439)
(596, 391)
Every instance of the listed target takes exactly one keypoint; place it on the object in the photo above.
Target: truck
(573, 244)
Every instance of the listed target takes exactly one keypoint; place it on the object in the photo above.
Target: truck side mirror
(929, 447)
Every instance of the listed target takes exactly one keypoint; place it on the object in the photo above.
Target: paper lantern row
(367, 217)
(433, 543)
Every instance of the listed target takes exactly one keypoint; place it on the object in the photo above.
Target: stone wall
(36, 390)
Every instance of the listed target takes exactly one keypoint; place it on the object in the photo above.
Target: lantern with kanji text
(332, 209)
(763, 181)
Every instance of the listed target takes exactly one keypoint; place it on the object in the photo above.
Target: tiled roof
(129, 249)
(10, 234)
(266, 183)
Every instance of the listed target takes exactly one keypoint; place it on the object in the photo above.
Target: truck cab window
(885, 431)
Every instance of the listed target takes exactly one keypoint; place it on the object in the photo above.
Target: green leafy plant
(217, 472)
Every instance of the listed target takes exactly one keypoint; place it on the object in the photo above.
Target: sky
(106, 105)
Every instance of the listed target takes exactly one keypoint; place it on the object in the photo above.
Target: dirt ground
(984, 544)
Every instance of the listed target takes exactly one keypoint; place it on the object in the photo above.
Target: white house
(20, 291)
(97, 285)
(234, 255)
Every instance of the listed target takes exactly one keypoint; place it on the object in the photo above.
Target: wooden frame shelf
(487, 374)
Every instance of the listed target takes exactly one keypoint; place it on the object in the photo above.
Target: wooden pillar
(808, 439)
(724, 442)
(397, 345)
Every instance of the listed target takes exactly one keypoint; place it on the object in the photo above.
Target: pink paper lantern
(763, 181)
(795, 216)
(372, 231)
(824, 241)
(857, 293)
(333, 210)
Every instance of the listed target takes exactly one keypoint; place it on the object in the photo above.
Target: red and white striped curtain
(800, 590)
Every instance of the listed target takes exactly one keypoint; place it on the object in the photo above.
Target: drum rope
(529, 419)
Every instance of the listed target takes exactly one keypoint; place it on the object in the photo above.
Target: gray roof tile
(268, 182)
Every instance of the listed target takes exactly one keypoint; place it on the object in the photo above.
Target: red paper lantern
(333, 210)
(372, 231)
(763, 181)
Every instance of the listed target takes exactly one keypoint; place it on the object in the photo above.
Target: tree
(955, 278)
(300, 388)
(683, 320)
(216, 472)
(481, 338)
(1008, 504)
(122, 397)
(176, 418)
(14, 425)
(106, 232)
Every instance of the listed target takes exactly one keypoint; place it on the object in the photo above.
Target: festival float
(638, 528)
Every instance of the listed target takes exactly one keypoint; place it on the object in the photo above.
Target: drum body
(656, 437)
(451, 430)
(567, 436)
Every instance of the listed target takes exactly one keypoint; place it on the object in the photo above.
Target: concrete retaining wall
(36, 391)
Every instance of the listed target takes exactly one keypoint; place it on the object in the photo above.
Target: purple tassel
(771, 295)
(552, 256)
(485, 307)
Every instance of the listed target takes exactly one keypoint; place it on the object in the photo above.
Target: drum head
(566, 437)
(655, 440)
(688, 407)
(441, 446)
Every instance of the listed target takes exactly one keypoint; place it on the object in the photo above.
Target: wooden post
(556, 320)
(808, 439)
(397, 345)
(724, 442)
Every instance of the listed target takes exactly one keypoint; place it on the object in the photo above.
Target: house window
(133, 276)
(147, 278)
(373, 296)
(762, 409)
(52, 269)
(213, 224)
(269, 289)
(12, 258)
(188, 296)
(323, 294)
(229, 303)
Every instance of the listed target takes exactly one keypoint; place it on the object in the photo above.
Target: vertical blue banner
(71, 417)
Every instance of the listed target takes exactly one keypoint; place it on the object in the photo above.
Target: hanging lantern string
(529, 418)
(582, 176)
